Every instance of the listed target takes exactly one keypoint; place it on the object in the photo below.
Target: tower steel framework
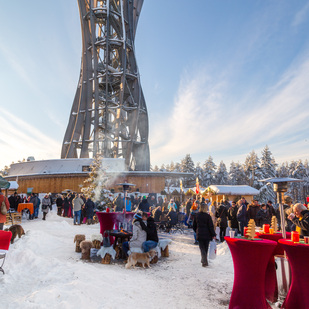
(109, 114)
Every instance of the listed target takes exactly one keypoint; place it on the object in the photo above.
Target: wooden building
(55, 176)
(230, 193)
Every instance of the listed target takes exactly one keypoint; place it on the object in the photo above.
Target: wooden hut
(230, 193)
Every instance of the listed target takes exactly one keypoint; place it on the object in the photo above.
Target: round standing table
(271, 286)
(250, 258)
(22, 206)
(109, 219)
(298, 256)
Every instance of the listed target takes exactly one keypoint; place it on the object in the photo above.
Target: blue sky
(220, 78)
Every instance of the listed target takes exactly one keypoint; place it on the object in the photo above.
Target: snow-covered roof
(80, 165)
(285, 179)
(13, 185)
(63, 166)
(234, 190)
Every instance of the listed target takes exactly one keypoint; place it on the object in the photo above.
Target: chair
(5, 240)
(16, 217)
(8, 219)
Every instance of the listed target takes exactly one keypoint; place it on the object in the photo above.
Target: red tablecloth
(250, 258)
(22, 206)
(298, 256)
(275, 237)
(109, 219)
(5, 238)
(271, 287)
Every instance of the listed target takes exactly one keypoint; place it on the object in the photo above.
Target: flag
(197, 186)
(181, 185)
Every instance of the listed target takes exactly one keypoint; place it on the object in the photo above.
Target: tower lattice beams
(109, 114)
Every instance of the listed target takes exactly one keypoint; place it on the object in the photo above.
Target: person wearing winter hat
(144, 205)
(139, 235)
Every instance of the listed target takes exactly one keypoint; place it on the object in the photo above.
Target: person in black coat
(144, 205)
(66, 206)
(89, 210)
(263, 215)
(205, 232)
(188, 207)
(59, 203)
(157, 213)
(221, 214)
(232, 216)
(152, 235)
(300, 217)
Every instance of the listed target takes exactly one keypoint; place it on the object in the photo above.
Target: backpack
(3, 211)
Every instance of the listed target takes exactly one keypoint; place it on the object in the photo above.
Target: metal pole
(282, 215)
(125, 204)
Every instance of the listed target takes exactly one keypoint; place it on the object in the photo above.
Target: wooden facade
(55, 183)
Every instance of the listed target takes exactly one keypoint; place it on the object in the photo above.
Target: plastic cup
(271, 230)
(306, 240)
(245, 231)
(266, 228)
(232, 234)
(295, 236)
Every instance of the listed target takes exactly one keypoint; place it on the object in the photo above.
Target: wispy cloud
(18, 67)
(301, 15)
(207, 118)
(20, 139)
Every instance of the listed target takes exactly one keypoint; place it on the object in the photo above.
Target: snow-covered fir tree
(199, 173)
(306, 180)
(162, 168)
(187, 166)
(209, 172)
(283, 170)
(156, 168)
(94, 186)
(177, 168)
(172, 166)
(268, 170)
(221, 176)
(252, 170)
(237, 174)
(297, 188)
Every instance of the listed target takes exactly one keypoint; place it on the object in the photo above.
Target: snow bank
(44, 271)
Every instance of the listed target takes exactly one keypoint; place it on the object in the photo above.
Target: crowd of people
(70, 205)
(236, 215)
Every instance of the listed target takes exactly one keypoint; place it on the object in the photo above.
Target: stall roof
(233, 190)
(13, 185)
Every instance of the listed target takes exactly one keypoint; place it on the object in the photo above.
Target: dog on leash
(16, 229)
(143, 258)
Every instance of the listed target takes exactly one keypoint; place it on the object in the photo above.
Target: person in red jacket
(7, 203)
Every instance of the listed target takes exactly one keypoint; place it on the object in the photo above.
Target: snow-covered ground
(42, 270)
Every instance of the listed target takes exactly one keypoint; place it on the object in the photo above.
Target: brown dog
(16, 229)
(143, 258)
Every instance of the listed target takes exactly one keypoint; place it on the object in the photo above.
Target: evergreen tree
(221, 176)
(209, 172)
(156, 168)
(177, 168)
(268, 169)
(306, 181)
(198, 172)
(296, 188)
(283, 170)
(237, 174)
(162, 168)
(94, 187)
(252, 170)
(172, 166)
(187, 166)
